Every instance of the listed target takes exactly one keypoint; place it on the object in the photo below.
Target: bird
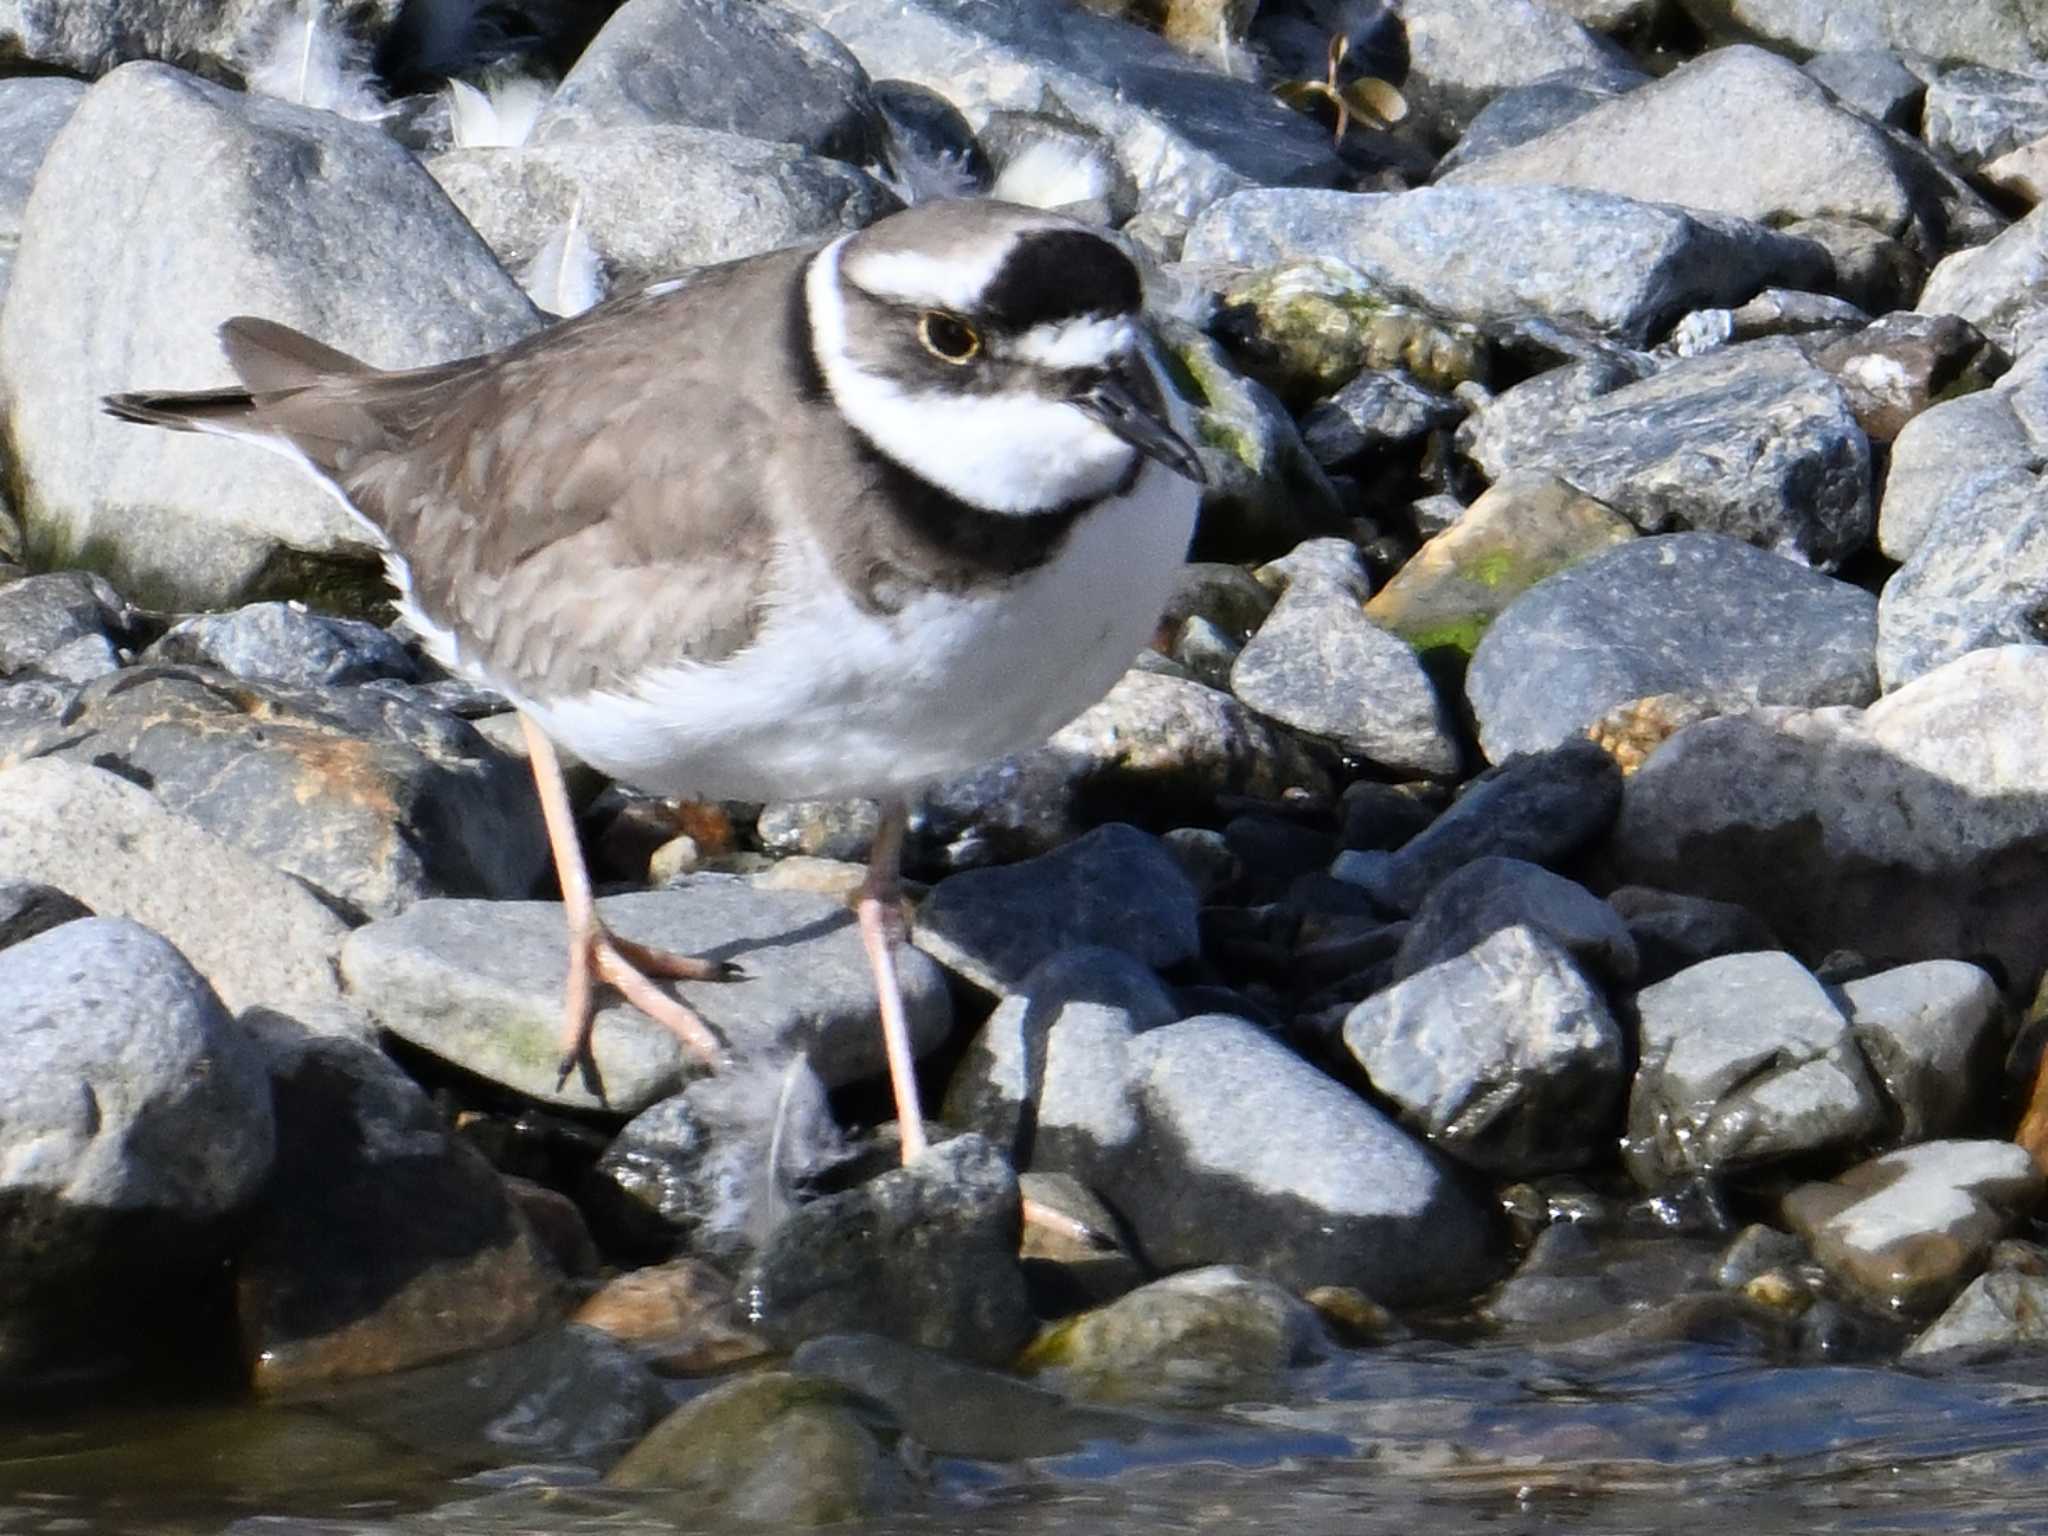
(833, 521)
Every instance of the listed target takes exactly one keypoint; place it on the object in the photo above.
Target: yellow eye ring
(948, 338)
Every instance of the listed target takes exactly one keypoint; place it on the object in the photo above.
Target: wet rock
(1875, 81)
(1491, 894)
(1983, 448)
(1907, 831)
(1673, 930)
(372, 800)
(1320, 666)
(1752, 441)
(1896, 367)
(775, 1449)
(1044, 1080)
(244, 202)
(1286, 1172)
(40, 616)
(1504, 1055)
(1117, 887)
(135, 1132)
(287, 643)
(28, 908)
(1528, 526)
(680, 1315)
(1931, 1032)
(1585, 260)
(756, 71)
(1745, 1060)
(1211, 1335)
(258, 936)
(1748, 133)
(1908, 1229)
(1975, 114)
(1995, 1313)
(1757, 1250)
(1539, 806)
(1698, 615)
(480, 984)
(926, 1254)
(655, 200)
(382, 1242)
(1376, 411)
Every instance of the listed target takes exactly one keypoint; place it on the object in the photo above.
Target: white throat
(1020, 453)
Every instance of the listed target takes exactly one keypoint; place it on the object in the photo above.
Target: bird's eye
(947, 337)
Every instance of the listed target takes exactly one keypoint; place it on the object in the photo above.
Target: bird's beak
(1126, 401)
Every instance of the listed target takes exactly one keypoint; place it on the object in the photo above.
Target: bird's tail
(272, 360)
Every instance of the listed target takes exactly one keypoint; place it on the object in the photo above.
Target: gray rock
(1752, 441)
(1318, 563)
(1897, 367)
(1672, 930)
(258, 936)
(1984, 447)
(1932, 1033)
(1906, 1230)
(246, 205)
(657, 200)
(1585, 260)
(480, 984)
(1251, 1156)
(1209, 1336)
(31, 112)
(1541, 806)
(1745, 1060)
(1320, 666)
(1975, 114)
(383, 1241)
(758, 71)
(1744, 132)
(1187, 134)
(1875, 81)
(1976, 31)
(1379, 410)
(287, 643)
(926, 1254)
(91, 37)
(1045, 1079)
(1117, 887)
(1995, 1313)
(1774, 312)
(28, 908)
(1697, 615)
(1908, 831)
(135, 1124)
(819, 829)
(1491, 894)
(1463, 54)
(1526, 112)
(1977, 578)
(1505, 1056)
(370, 798)
(41, 615)
(1995, 284)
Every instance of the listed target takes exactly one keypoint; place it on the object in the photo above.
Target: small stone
(681, 1315)
(1894, 368)
(1378, 411)
(1994, 1314)
(287, 643)
(1757, 1251)
(41, 615)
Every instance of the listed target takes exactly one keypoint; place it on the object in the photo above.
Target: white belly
(830, 701)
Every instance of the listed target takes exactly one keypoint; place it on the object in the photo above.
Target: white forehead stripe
(1088, 342)
(911, 277)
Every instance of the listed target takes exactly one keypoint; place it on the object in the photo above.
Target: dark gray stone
(1117, 887)
(926, 1254)
(1251, 1156)
(1377, 411)
(480, 983)
(1699, 616)
(1875, 81)
(1975, 114)
(1504, 1055)
(28, 908)
(1932, 1034)
(1540, 806)
(287, 643)
(1529, 111)
(1897, 367)
(1586, 260)
(1751, 440)
(1490, 894)
(1672, 930)
(41, 615)
(1745, 1060)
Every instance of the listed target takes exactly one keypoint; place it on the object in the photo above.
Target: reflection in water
(1398, 1440)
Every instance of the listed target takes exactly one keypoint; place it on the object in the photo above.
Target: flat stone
(1745, 1060)
(1504, 1056)
(287, 643)
(258, 936)
(1908, 1229)
(1491, 894)
(1932, 1033)
(1116, 887)
(1697, 615)
(479, 983)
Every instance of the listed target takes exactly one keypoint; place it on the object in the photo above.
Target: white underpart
(1082, 343)
(909, 277)
(832, 701)
(1019, 452)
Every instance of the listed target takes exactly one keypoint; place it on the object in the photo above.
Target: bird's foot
(599, 955)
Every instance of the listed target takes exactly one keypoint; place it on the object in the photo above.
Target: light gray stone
(41, 615)
(1975, 114)
(1505, 1056)
(1525, 112)
(1745, 1060)
(90, 37)
(480, 984)
(1696, 615)
(1752, 441)
(164, 206)
(1463, 54)
(1980, 31)
(1996, 1313)
(1586, 260)
(1977, 578)
(31, 112)
(1932, 1033)
(1983, 448)
(1875, 81)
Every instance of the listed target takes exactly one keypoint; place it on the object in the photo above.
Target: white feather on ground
(303, 58)
(769, 1127)
(567, 276)
(500, 116)
(1051, 174)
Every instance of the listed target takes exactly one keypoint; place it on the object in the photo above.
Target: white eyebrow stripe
(1088, 342)
(910, 277)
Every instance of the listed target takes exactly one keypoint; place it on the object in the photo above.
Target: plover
(821, 523)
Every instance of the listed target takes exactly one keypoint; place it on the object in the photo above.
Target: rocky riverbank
(1573, 866)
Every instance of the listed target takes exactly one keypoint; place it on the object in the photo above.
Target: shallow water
(1397, 1440)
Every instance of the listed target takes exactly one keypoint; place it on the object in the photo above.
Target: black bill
(1127, 402)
